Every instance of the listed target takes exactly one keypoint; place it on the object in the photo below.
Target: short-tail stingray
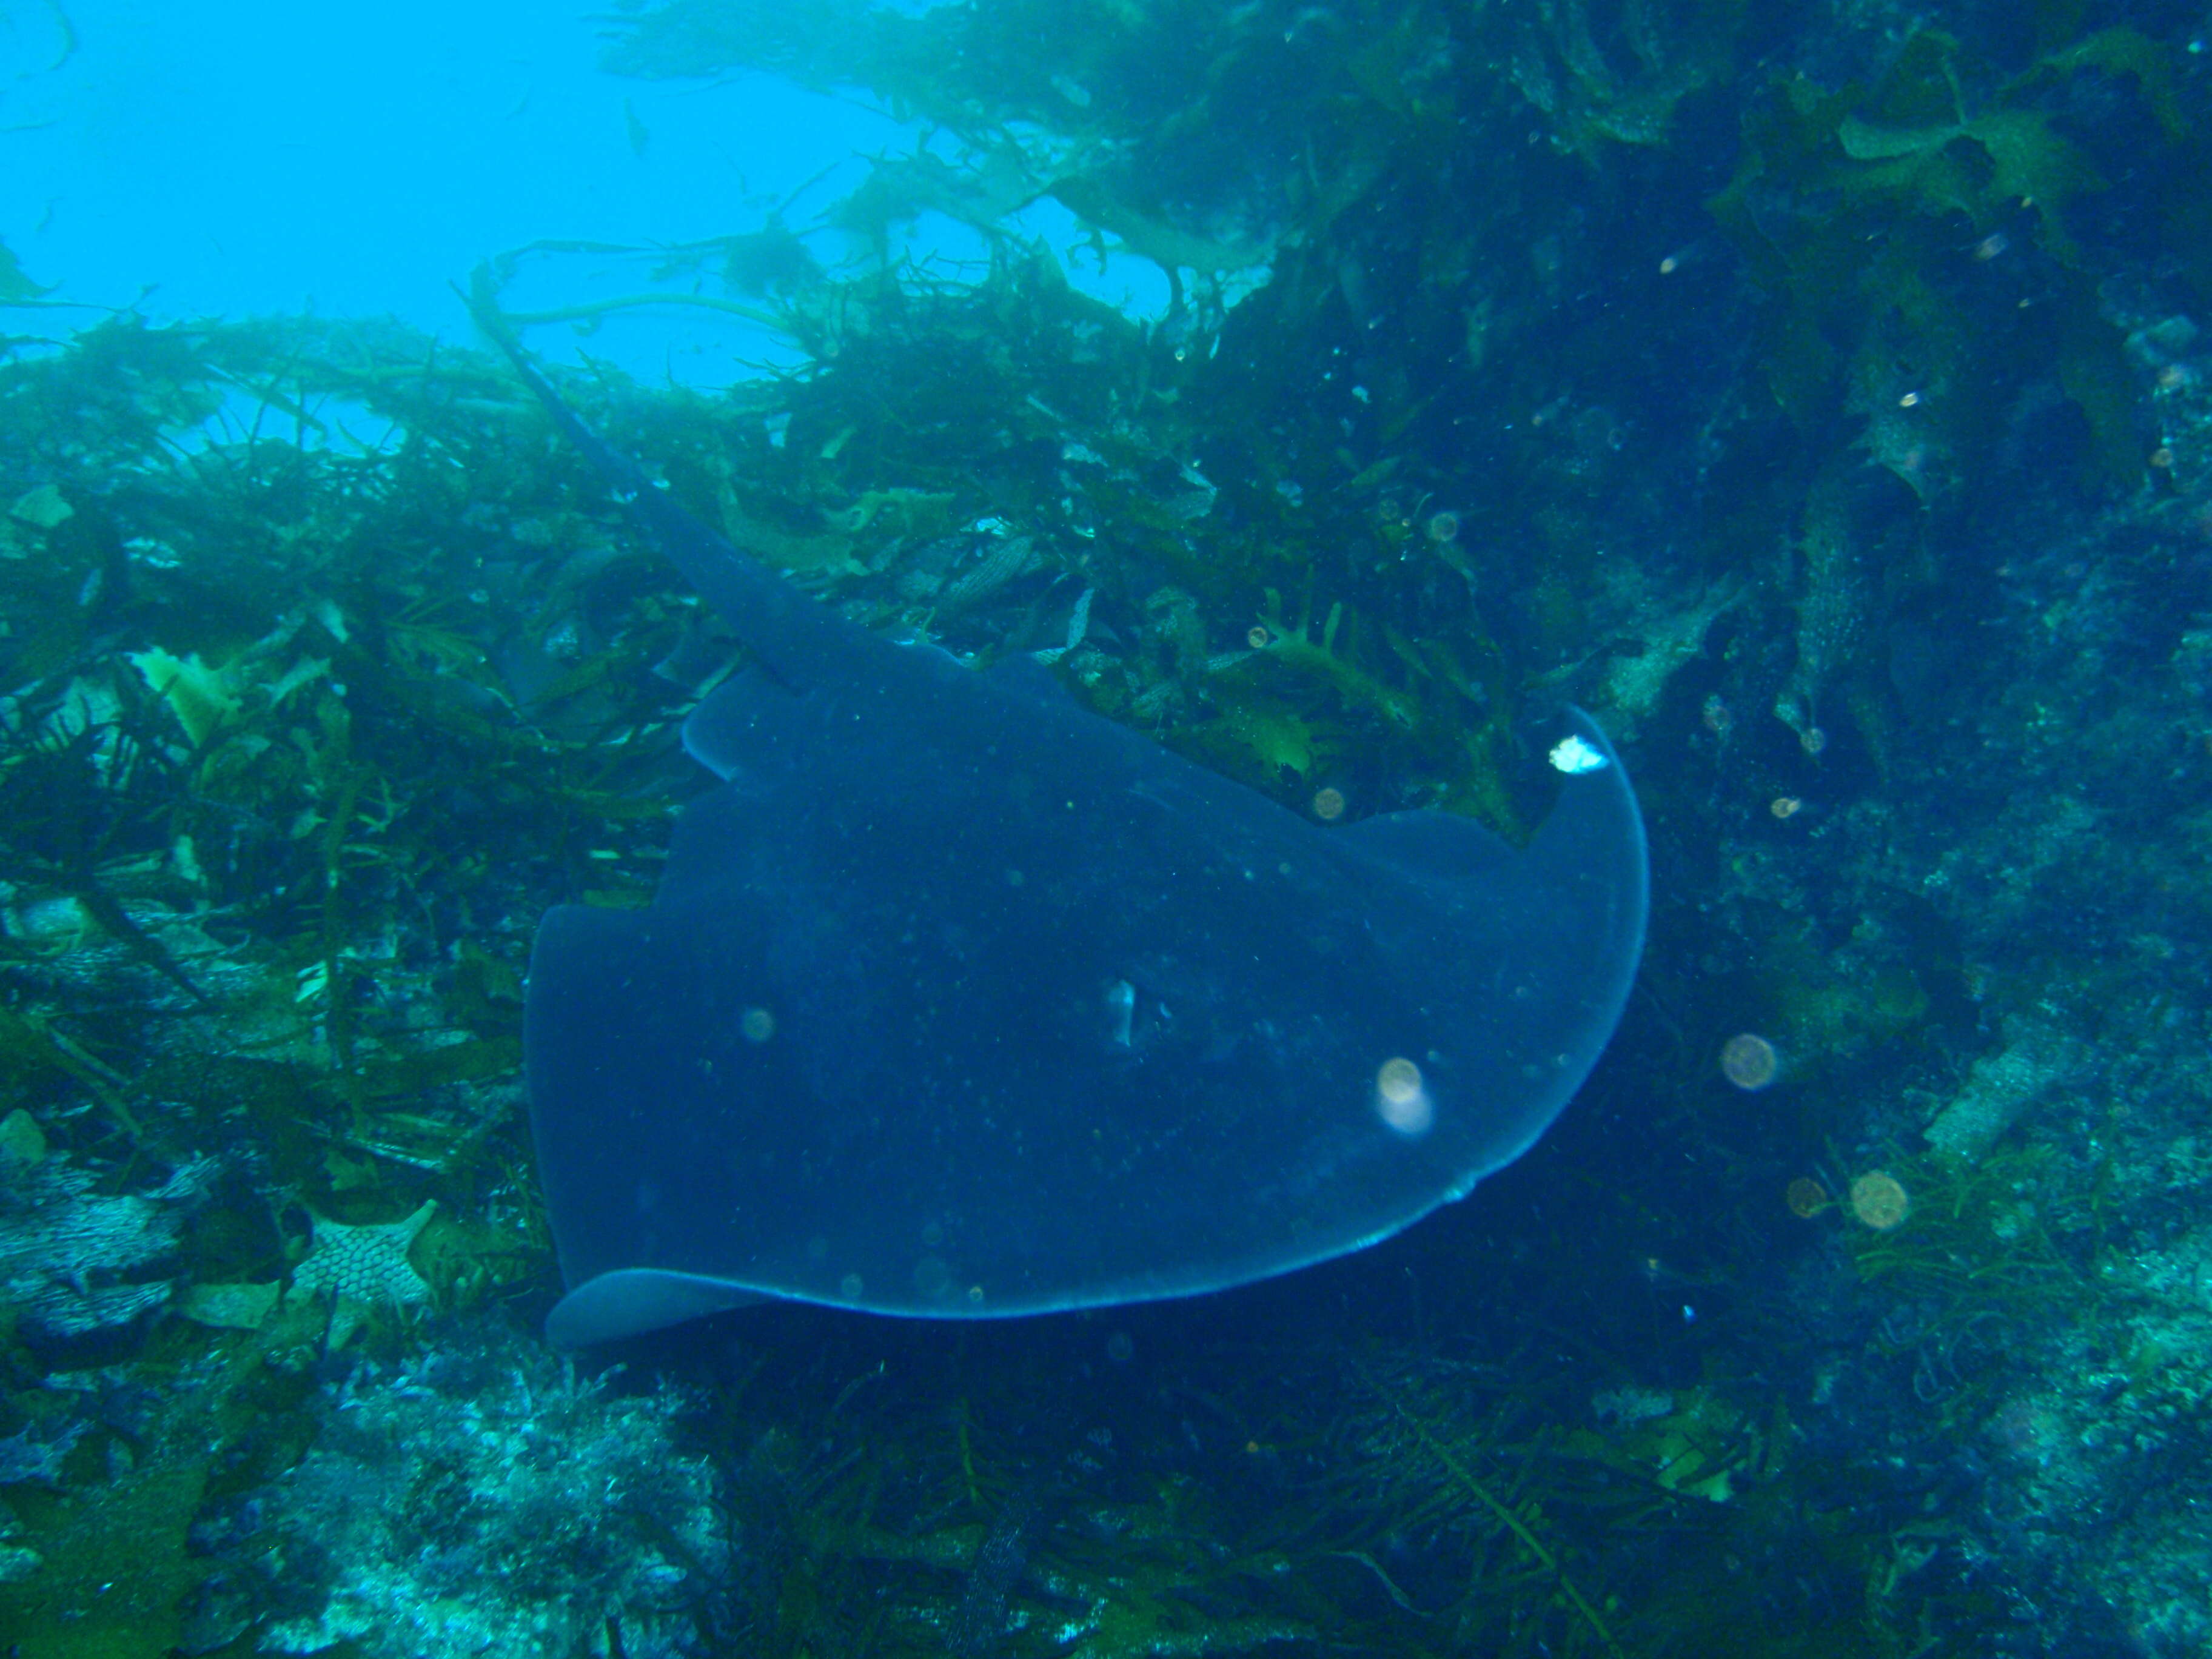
(958, 1000)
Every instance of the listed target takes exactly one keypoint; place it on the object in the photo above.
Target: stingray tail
(483, 301)
(799, 641)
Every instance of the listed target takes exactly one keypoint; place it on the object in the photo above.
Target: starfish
(364, 1264)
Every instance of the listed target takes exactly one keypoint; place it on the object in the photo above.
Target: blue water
(234, 160)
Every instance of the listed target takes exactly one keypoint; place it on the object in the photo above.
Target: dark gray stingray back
(957, 1001)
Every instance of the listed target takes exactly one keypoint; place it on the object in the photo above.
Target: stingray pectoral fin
(634, 1300)
(1528, 956)
(1589, 854)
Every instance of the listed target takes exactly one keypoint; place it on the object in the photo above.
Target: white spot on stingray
(1573, 756)
(1121, 1011)
(1401, 1099)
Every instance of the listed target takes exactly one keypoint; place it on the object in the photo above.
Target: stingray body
(958, 1000)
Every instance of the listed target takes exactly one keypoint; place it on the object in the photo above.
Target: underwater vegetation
(1817, 395)
(476, 1498)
